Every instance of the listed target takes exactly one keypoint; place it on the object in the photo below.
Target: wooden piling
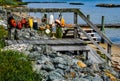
(102, 29)
(88, 16)
(75, 18)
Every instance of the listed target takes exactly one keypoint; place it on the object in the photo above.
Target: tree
(8, 2)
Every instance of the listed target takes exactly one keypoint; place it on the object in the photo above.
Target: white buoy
(51, 20)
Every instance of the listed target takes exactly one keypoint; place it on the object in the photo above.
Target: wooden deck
(48, 42)
(57, 44)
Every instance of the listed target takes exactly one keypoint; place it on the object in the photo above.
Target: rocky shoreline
(59, 66)
(56, 66)
(108, 5)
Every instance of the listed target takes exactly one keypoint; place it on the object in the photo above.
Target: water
(112, 15)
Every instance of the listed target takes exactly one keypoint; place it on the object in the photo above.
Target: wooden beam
(42, 10)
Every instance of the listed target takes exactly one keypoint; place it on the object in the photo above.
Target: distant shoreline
(46, 2)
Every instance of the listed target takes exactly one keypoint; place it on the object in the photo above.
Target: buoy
(51, 20)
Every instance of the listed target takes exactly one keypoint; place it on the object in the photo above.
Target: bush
(3, 35)
(14, 66)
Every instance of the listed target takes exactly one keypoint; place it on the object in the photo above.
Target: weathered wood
(48, 42)
(75, 32)
(88, 16)
(109, 49)
(75, 18)
(69, 48)
(96, 44)
(42, 10)
(106, 25)
(102, 28)
(93, 26)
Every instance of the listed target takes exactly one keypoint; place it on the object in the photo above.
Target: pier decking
(57, 44)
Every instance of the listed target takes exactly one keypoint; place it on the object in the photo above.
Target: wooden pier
(77, 13)
(106, 25)
(57, 44)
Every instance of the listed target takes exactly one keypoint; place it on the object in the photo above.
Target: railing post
(109, 52)
(75, 32)
(109, 48)
(75, 22)
(102, 28)
(75, 18)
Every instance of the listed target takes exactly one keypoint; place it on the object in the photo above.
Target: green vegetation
(11, 2)
(15, 66)
(8, 2)
(101, 54)
(3, 35)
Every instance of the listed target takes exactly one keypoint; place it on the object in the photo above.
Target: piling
(102, 28)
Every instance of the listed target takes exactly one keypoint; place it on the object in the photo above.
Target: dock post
(102, 28)
(75, 18)
(109, 48)
(75, 22)
(109, 51)
(75, 32)
(88, 16)
(75, 28)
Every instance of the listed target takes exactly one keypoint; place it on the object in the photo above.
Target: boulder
(48, 66)
(80, 79)
(59, 60)
(55, 76)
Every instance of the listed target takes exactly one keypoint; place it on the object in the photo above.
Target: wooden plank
(42, 10)
(50, 42)
(69, 48)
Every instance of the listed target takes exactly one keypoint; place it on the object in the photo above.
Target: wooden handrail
(94, 27)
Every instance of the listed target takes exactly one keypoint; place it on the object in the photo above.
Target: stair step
(87, 29)
(91, 34)
(89, 42)
(85, 38)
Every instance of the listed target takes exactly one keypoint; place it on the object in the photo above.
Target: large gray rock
(59, 60)
(97, 78)
(62, 66)
(48, 66)
(55, 76)
(60, 71)
(43, 58)
(90, 78)
(80, 79)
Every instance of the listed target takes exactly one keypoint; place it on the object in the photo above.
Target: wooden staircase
(69, 33)
(90, 32)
